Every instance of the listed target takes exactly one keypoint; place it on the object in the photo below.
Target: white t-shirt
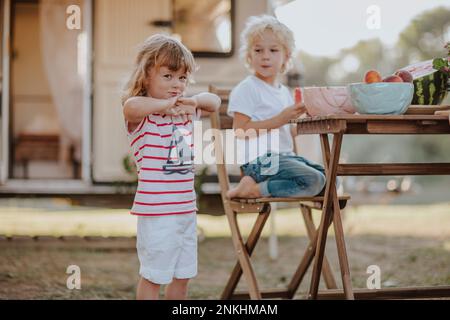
(261, 101)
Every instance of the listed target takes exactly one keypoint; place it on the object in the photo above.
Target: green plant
(199, 180)
(443, 64)
(129, 166)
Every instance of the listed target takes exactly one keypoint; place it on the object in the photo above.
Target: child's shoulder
(244, 86)
(250, 81)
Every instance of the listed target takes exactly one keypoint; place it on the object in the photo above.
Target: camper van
(63, 64)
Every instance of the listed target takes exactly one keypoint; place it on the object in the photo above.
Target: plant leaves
(440, 63)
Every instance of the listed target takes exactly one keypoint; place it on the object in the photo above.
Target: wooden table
(338, 126)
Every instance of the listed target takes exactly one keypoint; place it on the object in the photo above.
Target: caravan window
(205, 26)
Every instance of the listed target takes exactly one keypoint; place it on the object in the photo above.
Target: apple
(393, 79)
(405, 75)
(372, 76)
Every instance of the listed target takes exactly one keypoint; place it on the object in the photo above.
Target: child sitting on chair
(261, 105)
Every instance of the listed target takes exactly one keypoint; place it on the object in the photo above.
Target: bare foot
(247, 188)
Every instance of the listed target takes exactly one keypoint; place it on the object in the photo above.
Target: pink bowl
(323, 101)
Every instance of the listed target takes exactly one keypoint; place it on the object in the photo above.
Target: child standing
(159, 123)
(260, 104)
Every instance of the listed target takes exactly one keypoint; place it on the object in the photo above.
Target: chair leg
(331, 161)
(301, 269)
(244, 251)
(327, 272)
(304, 265)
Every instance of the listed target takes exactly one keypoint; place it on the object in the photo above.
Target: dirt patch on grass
(109, 270)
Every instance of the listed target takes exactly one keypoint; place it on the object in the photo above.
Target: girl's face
(267, 57)
(164, 83)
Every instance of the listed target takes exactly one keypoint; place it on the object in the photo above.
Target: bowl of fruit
(323, 101)
(391, 95)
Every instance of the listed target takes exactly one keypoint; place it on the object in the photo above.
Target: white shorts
(167, 247)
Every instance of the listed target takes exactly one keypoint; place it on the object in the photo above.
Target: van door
(5, 13)
(119, 26)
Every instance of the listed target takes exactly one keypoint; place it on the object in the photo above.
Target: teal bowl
(381, 97)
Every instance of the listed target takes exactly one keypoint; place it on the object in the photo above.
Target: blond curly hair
(255, 27)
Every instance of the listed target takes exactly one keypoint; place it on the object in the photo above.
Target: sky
(324, 27)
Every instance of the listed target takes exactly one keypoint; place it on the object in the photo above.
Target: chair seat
(314, 202)
(292, 199)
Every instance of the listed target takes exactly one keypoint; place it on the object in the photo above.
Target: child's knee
(180, 282)
(319, 183)
(150, 283)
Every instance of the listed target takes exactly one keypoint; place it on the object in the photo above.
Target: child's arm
(244, 122)
(137, 108)
(208, 101)
(204, 101)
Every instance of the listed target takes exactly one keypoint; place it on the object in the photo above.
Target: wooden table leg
(330, 210)
(327, 272)
(330, 165)
(342, 251)
(338, 229)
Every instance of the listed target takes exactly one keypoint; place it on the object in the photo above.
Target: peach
(372, 76)
(405, 75)
(393, 79)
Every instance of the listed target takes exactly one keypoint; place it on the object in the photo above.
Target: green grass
(33, 270)
(417, 220)
(410, 244)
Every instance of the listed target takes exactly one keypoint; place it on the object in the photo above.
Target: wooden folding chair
(221, 121)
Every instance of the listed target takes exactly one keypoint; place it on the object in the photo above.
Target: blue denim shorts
(286, 175)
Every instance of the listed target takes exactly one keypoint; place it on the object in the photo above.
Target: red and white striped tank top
(163, 152)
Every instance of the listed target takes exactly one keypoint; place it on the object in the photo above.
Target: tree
(425, 37)
(314, 69)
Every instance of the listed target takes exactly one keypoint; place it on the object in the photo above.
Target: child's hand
(187, 105)
(171, 103)
(179, 106)
(171, 109)
(292, 112)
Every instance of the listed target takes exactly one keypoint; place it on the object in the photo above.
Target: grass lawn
(410, 244)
